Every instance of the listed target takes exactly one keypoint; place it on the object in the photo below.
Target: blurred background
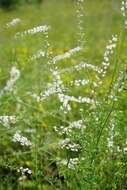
(12, 3)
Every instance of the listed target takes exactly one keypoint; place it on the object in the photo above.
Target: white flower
(13, 22)
(65, 100)
(86, 65)
(62, 130)
(109, 50)
(72, 163)
(21, 139)
(79, 82)
(7, 120)
(24, 172)
(124, 7)
(14, 76)
(66, 143)
(34, 30)
(39, 54)
(65, 55)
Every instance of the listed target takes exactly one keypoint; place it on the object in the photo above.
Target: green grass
(98, 171)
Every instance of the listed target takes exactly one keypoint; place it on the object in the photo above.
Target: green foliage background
(102, 19)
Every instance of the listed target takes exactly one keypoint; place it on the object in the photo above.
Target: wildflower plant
(66, 131)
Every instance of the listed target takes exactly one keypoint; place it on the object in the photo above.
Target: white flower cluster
(24, 172)
(64, 99)
(73, 162)
(70, 164)
(7, 120)
(118, 86)
(108, 52)
(84, 82)
(124, 7)
(13, 22)
(65, 55)
(80, 66)
(62, 130)
(34, 30)
(14, 76)
(56, 87)
(21, 139)
(67, 130)
(66, 143)
(62, 162)
(110, 140)
(80, 14)
(110, 143)
(79, 82)
(119, 149)
(86, 65)
(125, 148)
(47, 44)
(39, 54)
(112, 132)
(112, 96)
(52, 88)
(77, 124)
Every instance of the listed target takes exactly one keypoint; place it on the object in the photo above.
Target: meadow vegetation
(63, 90)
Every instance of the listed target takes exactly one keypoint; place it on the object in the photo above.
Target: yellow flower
(28, 163)
(40, 107)
(120, 163)
(74, 104)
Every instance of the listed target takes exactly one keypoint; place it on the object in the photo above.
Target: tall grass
(62, 120)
